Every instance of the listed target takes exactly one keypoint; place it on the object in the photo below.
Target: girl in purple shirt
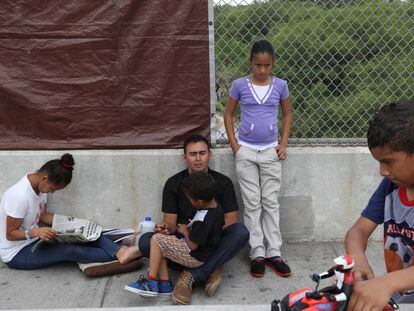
(258, 154)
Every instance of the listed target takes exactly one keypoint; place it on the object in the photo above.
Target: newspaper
(121, 236)
(72, 230)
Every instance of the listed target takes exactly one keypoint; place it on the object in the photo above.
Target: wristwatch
(27, 234)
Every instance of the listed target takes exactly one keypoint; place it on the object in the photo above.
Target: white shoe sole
(211, 289)
(140, 292)
(178, 301)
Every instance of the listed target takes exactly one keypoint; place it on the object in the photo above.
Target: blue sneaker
(165, 288)
(144, 287)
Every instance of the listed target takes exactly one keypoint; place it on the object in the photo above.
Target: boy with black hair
(193, 243)
(391, 142)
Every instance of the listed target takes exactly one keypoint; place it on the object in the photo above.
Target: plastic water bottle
(146, 226)
(143, 227)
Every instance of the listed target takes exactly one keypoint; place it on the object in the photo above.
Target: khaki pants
(259, 175)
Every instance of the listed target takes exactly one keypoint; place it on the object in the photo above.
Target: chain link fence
(342, 59)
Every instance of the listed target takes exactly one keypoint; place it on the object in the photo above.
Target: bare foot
(126, 254)
(130, 240)
(133, 240)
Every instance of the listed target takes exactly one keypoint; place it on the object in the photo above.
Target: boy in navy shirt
(391, 142)
(193, 243)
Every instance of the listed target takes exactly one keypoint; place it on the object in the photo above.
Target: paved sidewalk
(64, 286)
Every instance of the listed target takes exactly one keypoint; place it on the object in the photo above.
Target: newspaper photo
(72, 230)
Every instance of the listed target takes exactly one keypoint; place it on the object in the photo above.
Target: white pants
(259, 175)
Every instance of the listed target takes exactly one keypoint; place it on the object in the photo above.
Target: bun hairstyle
(59, 171)
(262, 46)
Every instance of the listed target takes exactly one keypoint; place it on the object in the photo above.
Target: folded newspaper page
(121, 236)
(72, 230)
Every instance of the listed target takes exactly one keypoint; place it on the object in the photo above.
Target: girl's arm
(229, 124)
(286, 126)
(15, 233)
(46, 217)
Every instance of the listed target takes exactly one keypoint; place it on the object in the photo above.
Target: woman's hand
(44, 233)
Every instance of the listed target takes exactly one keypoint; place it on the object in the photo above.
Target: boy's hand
(162, 228)
(370, 295)
(362, 271)
(181, 228)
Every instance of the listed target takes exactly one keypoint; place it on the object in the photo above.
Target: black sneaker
(278, 266)
(257, 267)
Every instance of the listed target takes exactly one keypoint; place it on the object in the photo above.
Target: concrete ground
(64, 286)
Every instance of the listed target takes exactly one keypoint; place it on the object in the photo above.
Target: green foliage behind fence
(341, 61)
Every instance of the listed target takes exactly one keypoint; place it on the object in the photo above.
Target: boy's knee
(239, 233)
(144, 244)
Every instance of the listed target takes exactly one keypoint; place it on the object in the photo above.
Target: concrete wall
(323, 192)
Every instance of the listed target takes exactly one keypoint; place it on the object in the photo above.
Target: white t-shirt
(261, 91)
(19, 201)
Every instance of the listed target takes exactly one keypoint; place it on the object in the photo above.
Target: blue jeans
(233, 239)
(101, 250)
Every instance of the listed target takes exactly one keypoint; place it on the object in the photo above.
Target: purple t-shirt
(258, 116)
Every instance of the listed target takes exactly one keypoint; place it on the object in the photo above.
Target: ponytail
(59, 171)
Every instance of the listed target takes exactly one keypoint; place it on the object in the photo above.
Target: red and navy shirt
(389, 205)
